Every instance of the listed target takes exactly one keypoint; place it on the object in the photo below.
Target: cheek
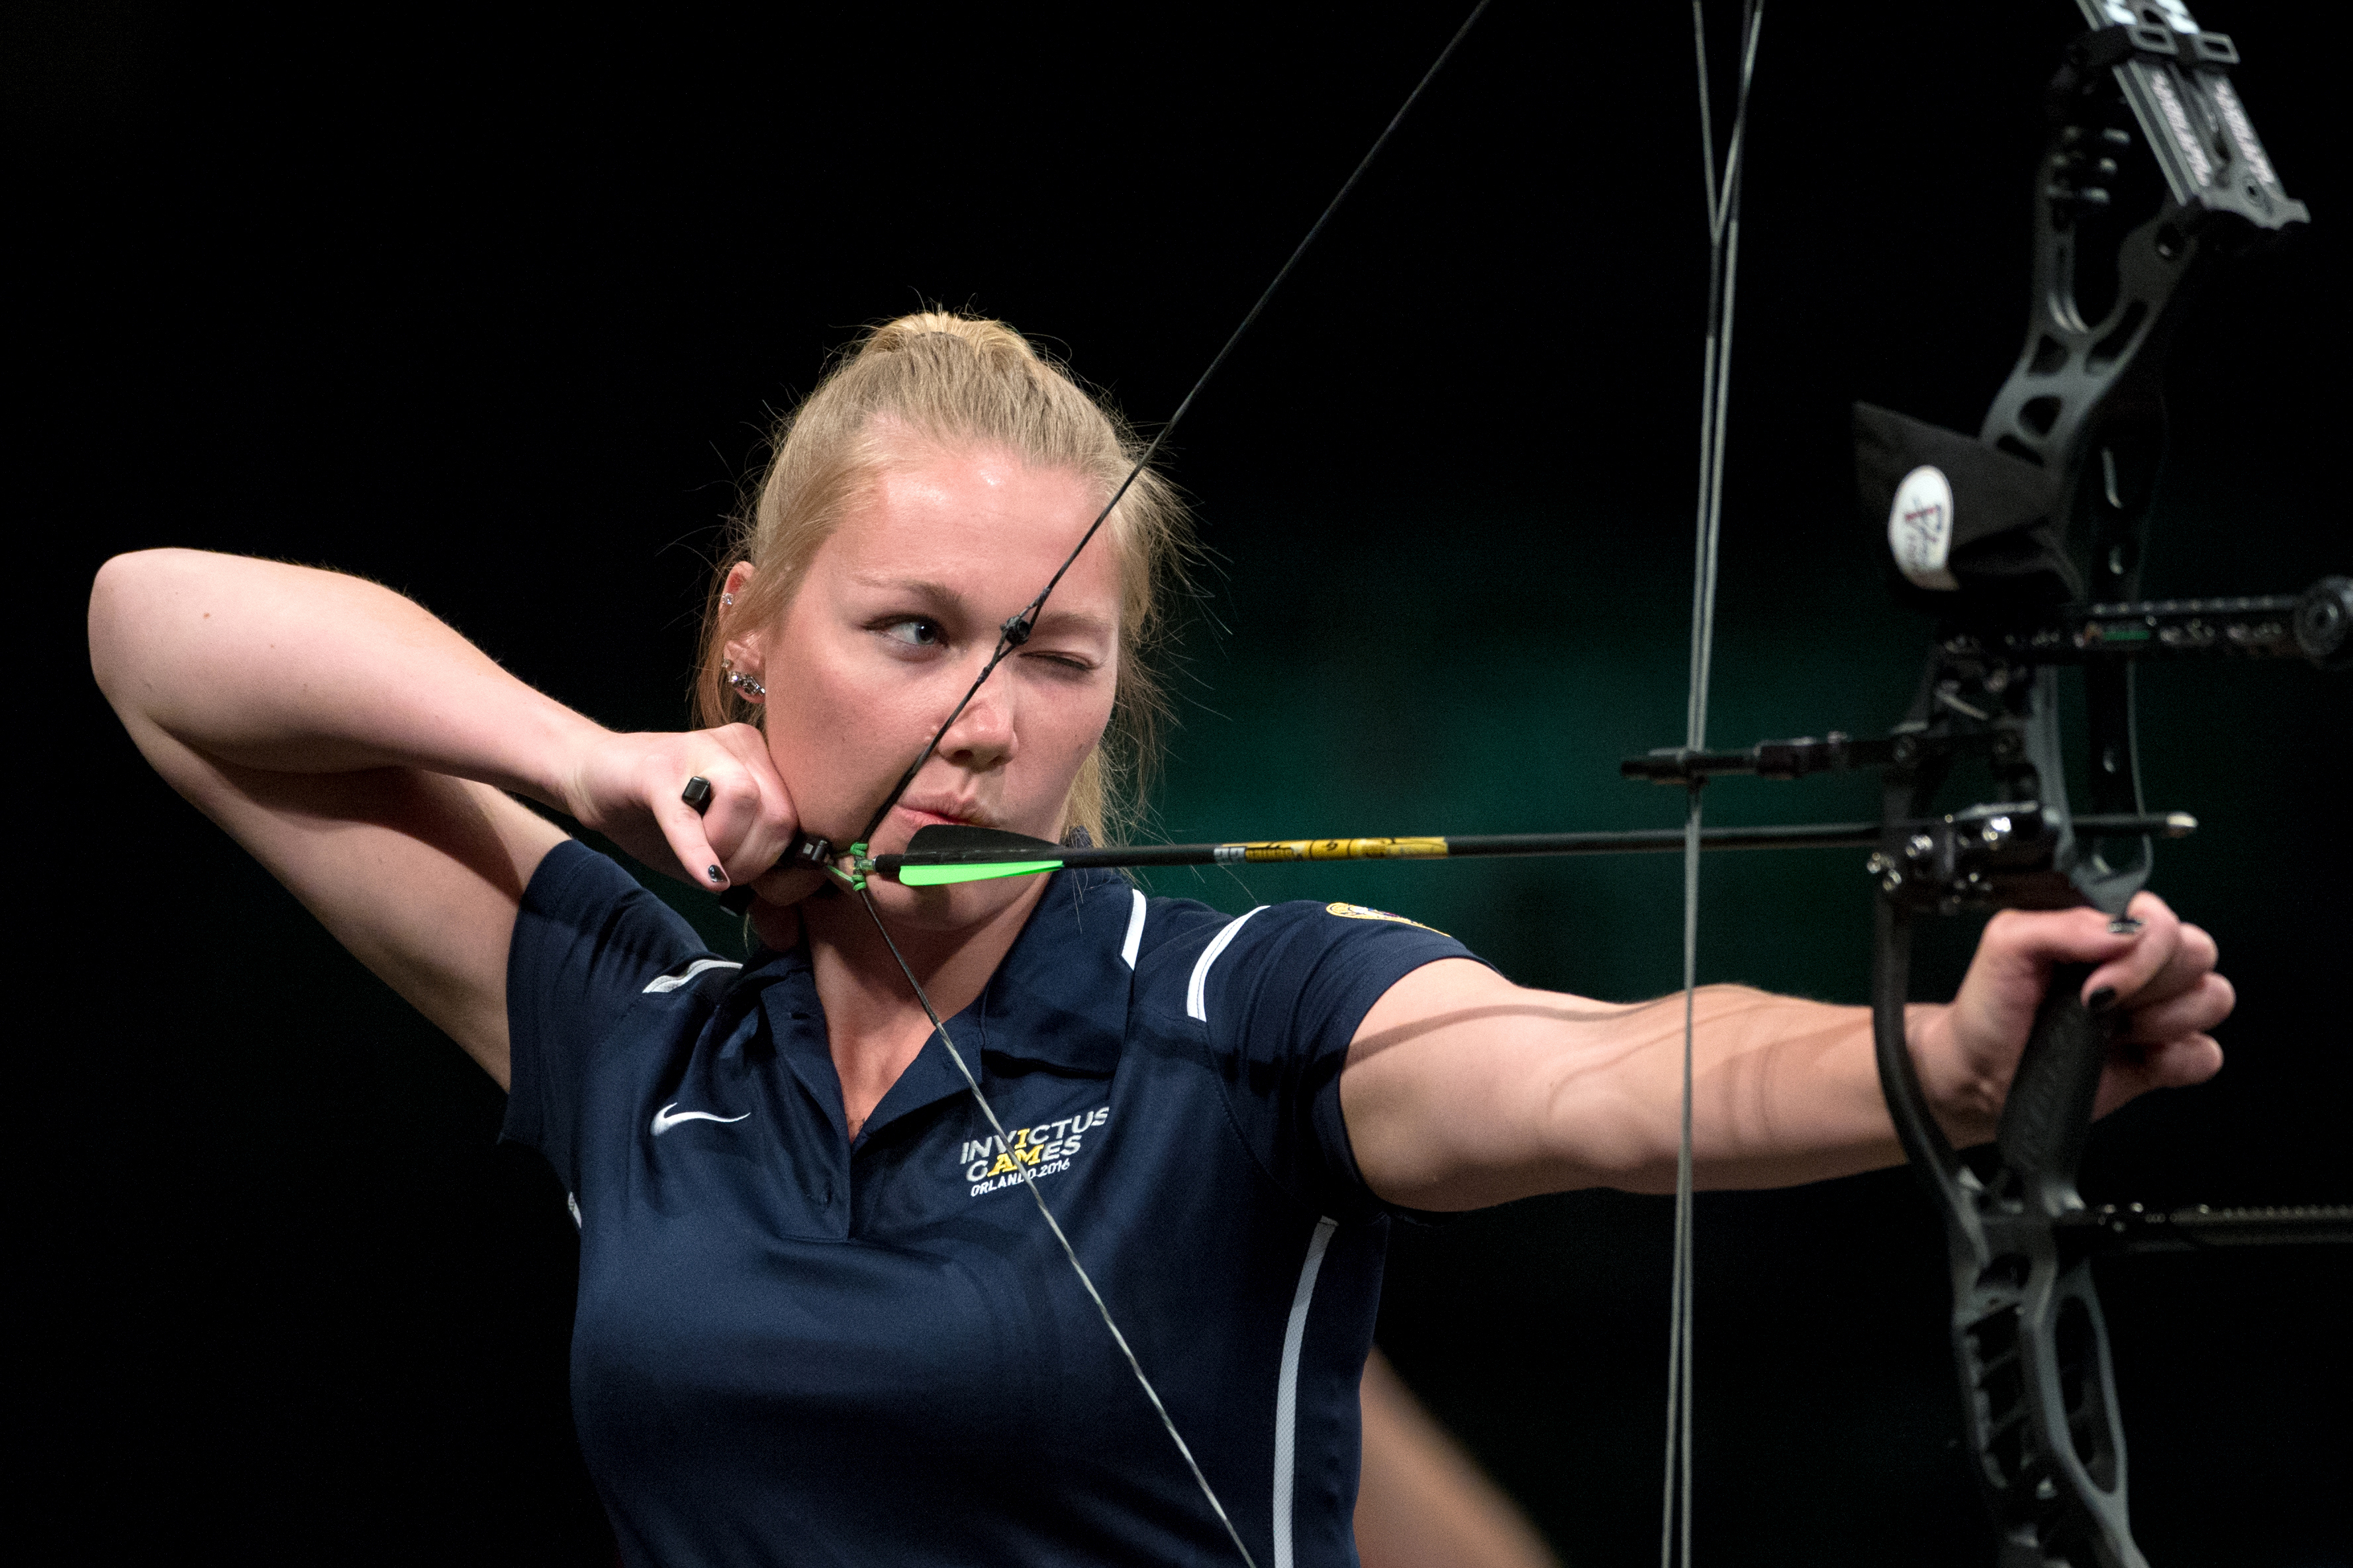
(822, 723)
(1075, 724)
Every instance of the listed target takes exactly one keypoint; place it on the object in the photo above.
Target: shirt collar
(1061, 996)
(1058, 999)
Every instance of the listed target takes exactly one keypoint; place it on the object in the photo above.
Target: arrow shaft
(1641, 841)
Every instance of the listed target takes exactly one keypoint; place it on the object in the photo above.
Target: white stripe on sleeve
(1135, 929)
(1197, 999)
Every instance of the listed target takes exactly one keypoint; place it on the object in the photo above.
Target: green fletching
(939, 876)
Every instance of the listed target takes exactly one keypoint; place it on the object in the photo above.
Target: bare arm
(1464, 1089)
(1422, 1501)
(362, 750)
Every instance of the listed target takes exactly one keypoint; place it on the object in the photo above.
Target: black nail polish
(2100, 1001)
(716, 875)
(2124, 925)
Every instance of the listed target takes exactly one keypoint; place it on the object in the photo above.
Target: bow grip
(2048, 1115)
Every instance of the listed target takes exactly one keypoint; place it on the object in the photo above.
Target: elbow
(117, 580)
(121, 600)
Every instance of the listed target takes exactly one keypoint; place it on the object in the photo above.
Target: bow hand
(2149, 991)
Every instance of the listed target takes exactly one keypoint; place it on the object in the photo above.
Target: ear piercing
(727, 599)
(749, 689)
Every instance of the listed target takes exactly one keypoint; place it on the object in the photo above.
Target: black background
(498, 314)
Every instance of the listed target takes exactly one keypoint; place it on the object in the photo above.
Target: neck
(873, 1021)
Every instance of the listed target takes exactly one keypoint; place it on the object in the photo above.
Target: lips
(946, 813)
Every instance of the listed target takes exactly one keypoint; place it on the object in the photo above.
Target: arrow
(939, 855)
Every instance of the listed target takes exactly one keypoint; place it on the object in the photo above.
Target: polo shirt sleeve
(1282, 1001)
(586, 940)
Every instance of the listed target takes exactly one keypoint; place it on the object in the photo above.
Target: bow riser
(2030, 1344)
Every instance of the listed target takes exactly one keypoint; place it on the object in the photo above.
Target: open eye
(914, 631)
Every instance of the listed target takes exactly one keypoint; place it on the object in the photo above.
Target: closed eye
(1071, 662)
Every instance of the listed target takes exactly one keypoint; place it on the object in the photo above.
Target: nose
(983, 736)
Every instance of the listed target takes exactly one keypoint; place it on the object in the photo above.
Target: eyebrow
(1052, 618)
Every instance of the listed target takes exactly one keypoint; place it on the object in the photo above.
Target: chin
(948, 908)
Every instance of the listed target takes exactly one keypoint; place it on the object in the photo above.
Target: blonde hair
(957, 380)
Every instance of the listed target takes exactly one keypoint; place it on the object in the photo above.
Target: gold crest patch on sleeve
(1359, 912)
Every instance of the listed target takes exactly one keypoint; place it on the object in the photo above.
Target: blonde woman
(820, 1318)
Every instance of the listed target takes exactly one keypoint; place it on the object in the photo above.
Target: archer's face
(899, 611)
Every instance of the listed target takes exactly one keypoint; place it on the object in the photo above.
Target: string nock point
(1017, 630)
(851, 869)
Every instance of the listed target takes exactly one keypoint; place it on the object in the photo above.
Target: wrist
(1964, 1098)
(569, 749)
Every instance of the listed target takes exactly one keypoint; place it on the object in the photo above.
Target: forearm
(1464, 1089)
(296, 670)
(1783, 1090)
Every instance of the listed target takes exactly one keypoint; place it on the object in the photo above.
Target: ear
(746, 648)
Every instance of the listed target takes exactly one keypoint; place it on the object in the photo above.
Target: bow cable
(1716, 379)
(1012, 634)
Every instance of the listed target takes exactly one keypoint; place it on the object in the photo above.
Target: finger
(2183, 974)
(2149, 939)
(682, 829)
(2177, 1063)
(2197, 1010)
(724, 798)
(766, 824)
(699, 794)
(744, 811)
(2015, 957)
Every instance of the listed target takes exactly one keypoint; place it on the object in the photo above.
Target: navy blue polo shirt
(794, 1348)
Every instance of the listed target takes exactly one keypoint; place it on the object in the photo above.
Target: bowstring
(1018, 628)
(1715, 378)
(1012, 634)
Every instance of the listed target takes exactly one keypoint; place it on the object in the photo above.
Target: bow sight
(2028, 539)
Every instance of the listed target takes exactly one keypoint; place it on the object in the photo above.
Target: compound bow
(2030, 539)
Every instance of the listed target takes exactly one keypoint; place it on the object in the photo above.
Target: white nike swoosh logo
(664, 1120)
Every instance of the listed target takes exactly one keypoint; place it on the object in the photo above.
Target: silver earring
(727, 599)
(750, 689)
